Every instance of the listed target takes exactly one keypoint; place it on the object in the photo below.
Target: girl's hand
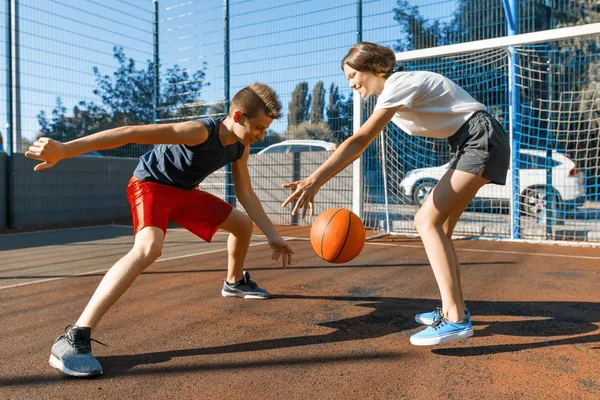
(47, 150)
(305, 191)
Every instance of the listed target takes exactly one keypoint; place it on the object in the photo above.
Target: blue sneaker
(429, 317)
(442, 331)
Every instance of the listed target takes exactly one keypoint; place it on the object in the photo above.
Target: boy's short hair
(255, 98)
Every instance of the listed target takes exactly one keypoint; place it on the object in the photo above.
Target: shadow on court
(396, 315)
(66, 236)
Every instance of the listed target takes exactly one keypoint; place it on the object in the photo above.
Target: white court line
(472, 250)
(306, 239)
(106, 269)
(493, 251)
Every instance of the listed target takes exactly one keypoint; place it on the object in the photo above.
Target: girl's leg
(448, 227)
(146, 249)
(450, 196)
(240, 226)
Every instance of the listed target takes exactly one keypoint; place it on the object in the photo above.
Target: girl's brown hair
(373, 58)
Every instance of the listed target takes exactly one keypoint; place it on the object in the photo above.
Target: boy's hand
(282, 249)
(47, 150)
(305, 191)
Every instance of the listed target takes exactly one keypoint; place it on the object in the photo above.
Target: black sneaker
(245, 288)
(72, 353)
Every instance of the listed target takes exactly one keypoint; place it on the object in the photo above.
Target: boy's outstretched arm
(252, 204)
(344, 155)
(51, 151)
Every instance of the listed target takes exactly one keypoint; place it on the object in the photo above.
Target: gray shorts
(481, 144)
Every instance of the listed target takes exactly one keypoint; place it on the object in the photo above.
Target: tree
(127, 99)
(318, 103)
(339, 113)
(312, 131)
(417, 33)
(299, 105)
(217, 109)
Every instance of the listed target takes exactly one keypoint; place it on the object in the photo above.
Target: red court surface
(329, 332)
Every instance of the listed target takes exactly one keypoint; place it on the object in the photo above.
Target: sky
(278, 42)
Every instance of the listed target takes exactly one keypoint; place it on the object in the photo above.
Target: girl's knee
(424, 221)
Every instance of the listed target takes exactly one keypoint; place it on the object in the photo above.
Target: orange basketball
(337, 235)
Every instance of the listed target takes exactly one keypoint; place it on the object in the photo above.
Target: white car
(568, 182)
(298, 145)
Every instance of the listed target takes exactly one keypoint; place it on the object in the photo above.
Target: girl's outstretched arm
(344, 155)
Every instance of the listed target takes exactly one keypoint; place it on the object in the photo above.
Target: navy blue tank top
(185, 166)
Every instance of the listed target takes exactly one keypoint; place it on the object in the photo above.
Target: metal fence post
(156, 91)
(357, 166)
(229, 184)
(511, 11)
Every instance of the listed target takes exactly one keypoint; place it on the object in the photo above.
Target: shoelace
(82, 346)
(439, 322)
(252, 284)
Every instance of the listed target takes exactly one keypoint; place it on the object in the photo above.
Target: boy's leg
(151, 205)
(238, 283)
(203, 214)
(72, 352)
(146, 249)
(450, 194)
(239, 226)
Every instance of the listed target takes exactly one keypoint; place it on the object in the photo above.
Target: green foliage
(299, 105)
(318, 103)
(339, 113)
(127, 99)
(306, 116)
(310, 130)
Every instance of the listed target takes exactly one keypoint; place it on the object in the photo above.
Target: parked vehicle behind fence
(298, 145)
(567, 188)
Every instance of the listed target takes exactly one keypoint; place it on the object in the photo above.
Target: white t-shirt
(432, 105)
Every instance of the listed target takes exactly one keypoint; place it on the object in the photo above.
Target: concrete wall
(93, 189)
(3, 186)
(77, 190)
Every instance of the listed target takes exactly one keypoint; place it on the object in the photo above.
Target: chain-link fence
(72, 68)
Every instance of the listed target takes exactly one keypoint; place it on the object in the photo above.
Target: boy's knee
(246, 225)
(149, 251)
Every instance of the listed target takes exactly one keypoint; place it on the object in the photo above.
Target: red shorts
(155, 204)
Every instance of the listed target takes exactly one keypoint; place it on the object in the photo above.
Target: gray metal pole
(359, 21)
(226, 54)
(9, 83)
(229, 184)
(16, 84)
(357, 165)
(156, 92)
(9, 113)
